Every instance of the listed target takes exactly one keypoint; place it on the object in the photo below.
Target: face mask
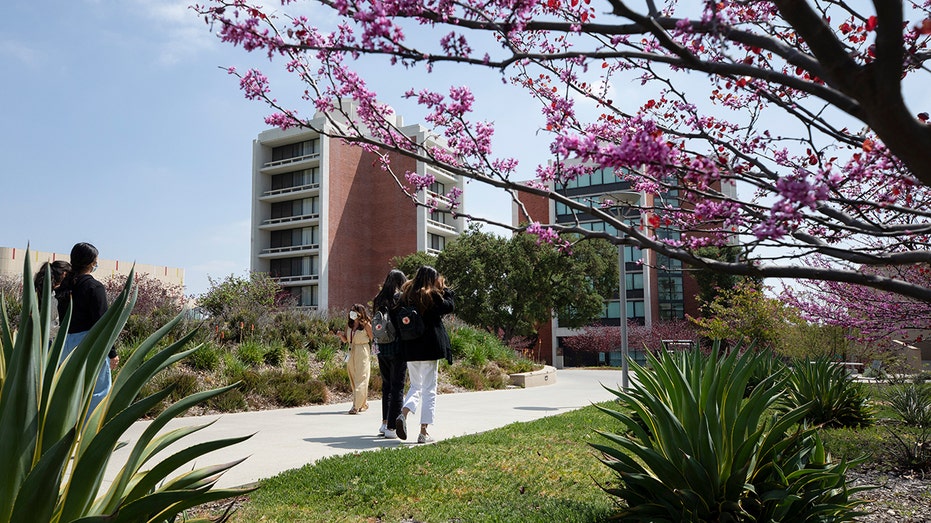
(95, 268)
(353, 315)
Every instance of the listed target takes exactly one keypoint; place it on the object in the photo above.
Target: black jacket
(88, 303)
(434, 344)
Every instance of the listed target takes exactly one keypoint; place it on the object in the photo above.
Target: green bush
(336, 377)
(301, 359)
(232, 401)
(293, 389)
(207, 358)
(252, 353)
(910, 403)
(832, 398)
(233, 368)
(275, 355)
(477, 348)
(696, 450)
(53, 452)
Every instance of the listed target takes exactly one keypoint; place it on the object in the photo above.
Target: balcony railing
(441, 225)
(288, 219)
(287, 190)
(299, 278)
(291, 248)
(295, 159)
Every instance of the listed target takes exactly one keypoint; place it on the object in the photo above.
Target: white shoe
(391, 434)
(424, 438)
(382, 429)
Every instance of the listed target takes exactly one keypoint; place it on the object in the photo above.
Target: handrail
(296, 188)
(291, 248)
(287, 219)
(293, 159)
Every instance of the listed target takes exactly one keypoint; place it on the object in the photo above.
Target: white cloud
(20, 53)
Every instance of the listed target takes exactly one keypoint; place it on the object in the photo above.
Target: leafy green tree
(240, 305)
(512, 286)
(746, 313)
(410, 263)
(712, 283)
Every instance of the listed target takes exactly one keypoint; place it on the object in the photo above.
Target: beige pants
(359, 368)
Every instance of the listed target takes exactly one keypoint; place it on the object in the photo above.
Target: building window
(436, 242)
(291, 208)
(671, 311)
(296, 179)
(296, 150)
(438, 188)
(445, 218)
(304, 296)
(299, 266)
(305, 236)
(635, 309)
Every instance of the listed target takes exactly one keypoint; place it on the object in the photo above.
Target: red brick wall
(370, 222)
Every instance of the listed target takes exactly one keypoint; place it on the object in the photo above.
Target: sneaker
(382, 429)
(400, 428)
(391, 434)
(424, 438)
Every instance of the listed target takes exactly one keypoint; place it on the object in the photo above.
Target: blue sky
(120, 128)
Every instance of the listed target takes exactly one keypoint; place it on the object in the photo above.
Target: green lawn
(525, 472)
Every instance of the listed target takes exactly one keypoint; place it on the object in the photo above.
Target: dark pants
(392, 369)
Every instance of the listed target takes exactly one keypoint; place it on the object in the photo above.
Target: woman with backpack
(429, 300)
(358, 335)
(391, 364)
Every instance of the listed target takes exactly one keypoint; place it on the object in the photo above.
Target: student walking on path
(88, 305)
(358, 335)
(391, 364)
(428, 294)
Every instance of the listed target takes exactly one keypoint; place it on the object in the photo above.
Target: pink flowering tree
(599, 338)
(782, 126)
(871, 316)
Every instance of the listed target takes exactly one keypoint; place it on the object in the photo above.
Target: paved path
(290, 438)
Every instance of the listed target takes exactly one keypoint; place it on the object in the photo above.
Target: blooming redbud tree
(790, 127)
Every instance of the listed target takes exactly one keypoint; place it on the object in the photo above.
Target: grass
(539, 471)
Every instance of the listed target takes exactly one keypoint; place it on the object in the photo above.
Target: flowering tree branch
(781, 125)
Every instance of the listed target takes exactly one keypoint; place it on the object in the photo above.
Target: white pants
(422, 393)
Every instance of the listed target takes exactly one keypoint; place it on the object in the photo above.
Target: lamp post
(622, 201)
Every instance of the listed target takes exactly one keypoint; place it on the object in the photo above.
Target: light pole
(622, 201)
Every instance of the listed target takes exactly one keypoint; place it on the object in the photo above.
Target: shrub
(251, 353)
(232, 401)
(293, 389)
(275, 355)
(336, 377)
(301, 360)
(697, 450)
(833, 399)
(910, 402)
(467, 377)
(233, 368)
(53, 451)
(206, 358)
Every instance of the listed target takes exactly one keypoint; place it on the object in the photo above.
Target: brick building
(327, 220)
(658, 289)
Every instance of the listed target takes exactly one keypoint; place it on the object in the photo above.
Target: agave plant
(696, 450)
(53, 455)
(833, 399)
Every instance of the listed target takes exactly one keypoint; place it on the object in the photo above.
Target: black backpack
(382, 328)
(410, 323)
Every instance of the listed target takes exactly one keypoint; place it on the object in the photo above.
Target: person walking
(391, 364)
(428, 294)
(57, 270)
(88, 305)
(358, 335)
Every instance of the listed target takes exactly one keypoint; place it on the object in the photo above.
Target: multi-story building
(327, 220)
(657, 288)
(12, 260)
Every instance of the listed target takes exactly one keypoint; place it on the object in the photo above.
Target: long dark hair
(57, 271)
(83, 256)
(392, 286)
(363, 317)
(419, 291)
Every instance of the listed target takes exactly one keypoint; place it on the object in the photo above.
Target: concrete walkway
(290, 438)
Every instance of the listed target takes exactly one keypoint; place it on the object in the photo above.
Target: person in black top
(58, 269)
(88, 305)
(429, 294)
(391, 364)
